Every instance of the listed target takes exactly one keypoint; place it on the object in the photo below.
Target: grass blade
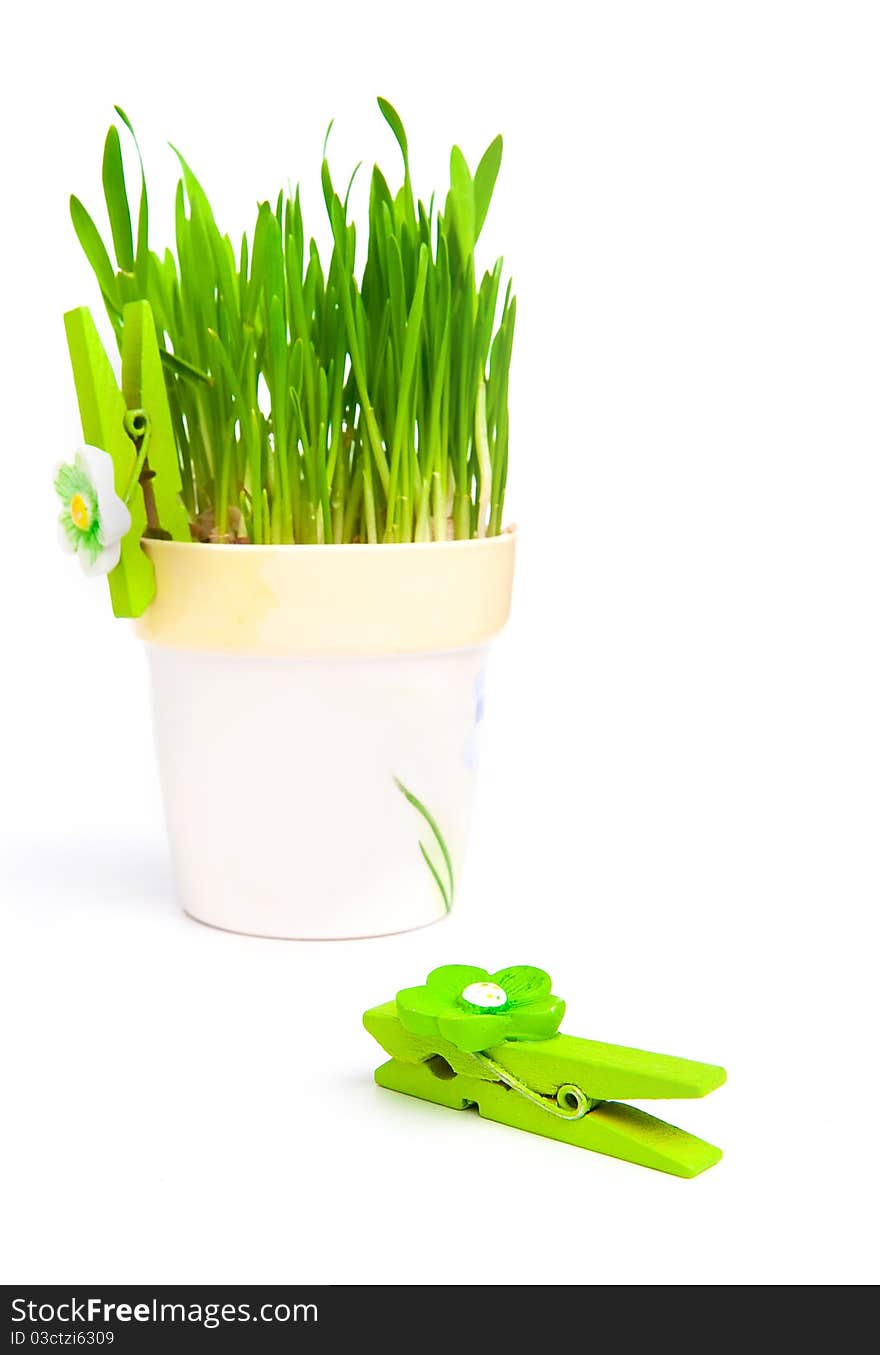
(447, 903)
(438, 837)
(142, 249)
(484, 183)
(113, 177)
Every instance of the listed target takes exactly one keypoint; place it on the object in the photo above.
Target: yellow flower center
(79, 511)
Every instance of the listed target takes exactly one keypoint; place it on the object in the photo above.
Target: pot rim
(306, 601)
(334, 548)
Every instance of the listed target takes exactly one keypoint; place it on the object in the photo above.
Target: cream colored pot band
(329, 600)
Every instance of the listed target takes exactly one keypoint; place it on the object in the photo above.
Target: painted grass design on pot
(447, 892)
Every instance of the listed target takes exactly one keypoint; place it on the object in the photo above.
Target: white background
(678, 807)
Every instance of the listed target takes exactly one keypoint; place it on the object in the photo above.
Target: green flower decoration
(474, 1009)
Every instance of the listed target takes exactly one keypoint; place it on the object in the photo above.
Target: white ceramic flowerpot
(316, 712)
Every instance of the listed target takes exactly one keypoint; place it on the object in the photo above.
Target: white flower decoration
(93, 518)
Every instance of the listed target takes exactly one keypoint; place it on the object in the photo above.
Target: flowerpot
(316, 712)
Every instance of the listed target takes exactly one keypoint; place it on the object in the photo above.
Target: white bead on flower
(484, 995)
(93, 518)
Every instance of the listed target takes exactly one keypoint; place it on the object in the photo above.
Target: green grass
(324, 403)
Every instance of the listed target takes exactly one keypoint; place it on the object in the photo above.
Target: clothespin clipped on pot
(134, 427)
(470, 1038)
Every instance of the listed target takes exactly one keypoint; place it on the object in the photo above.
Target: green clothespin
(134, 427)
(470, 1038)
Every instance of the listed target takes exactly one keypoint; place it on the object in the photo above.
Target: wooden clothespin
(470, 1038)
(134, 427)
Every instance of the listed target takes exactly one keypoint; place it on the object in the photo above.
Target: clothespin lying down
(133, 427)
(470, 1038)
